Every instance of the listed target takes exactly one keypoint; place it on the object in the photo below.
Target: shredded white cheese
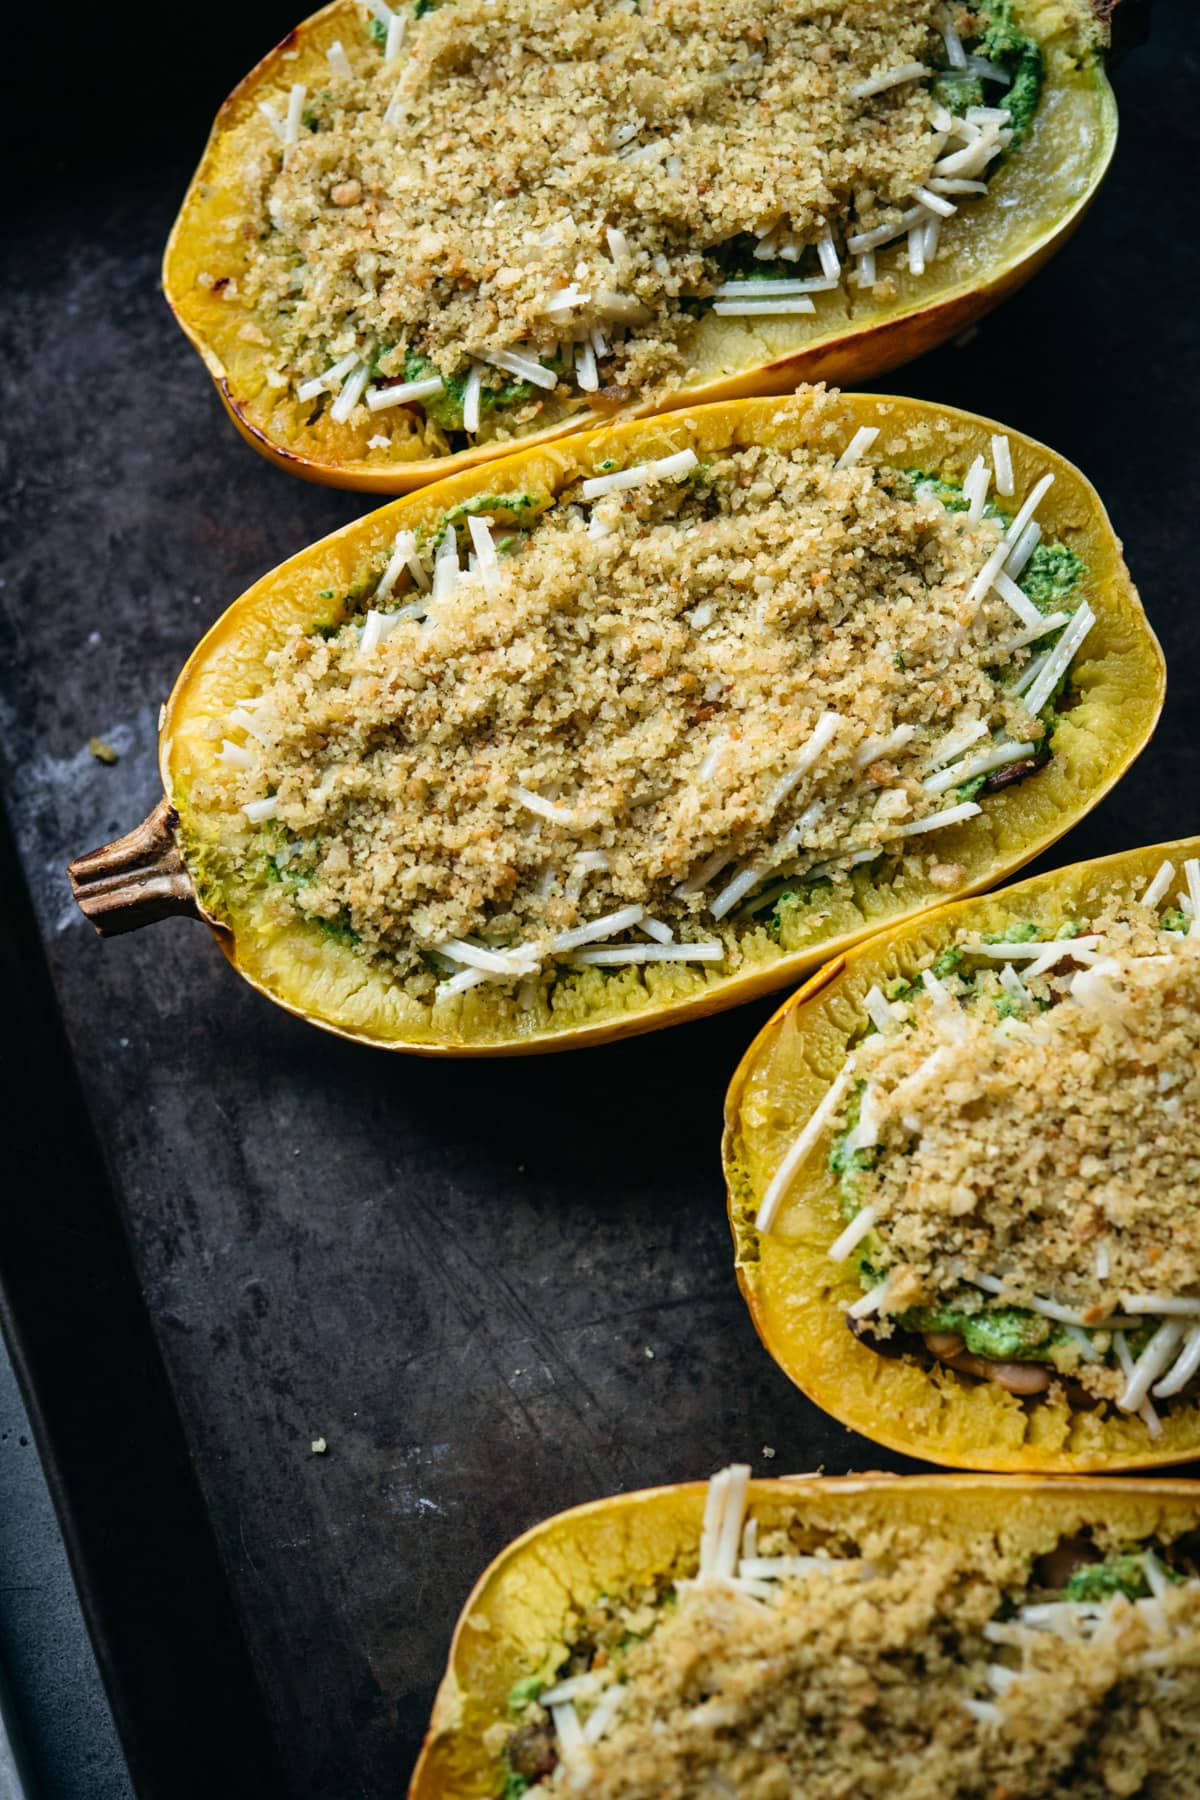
(1157, 889)
(545, 809)
(953, 815)
(608, 926)
(780, 1182)
(682, 463)
(878, 84)
(858, 1228)
(295, 113)
(396, 27)
(660, 932)
(492, 962)
(861, 242)
(338, 61)
(935, 202)
(858, 446)
(1152, 1363)
(523, 367)
(763, 309)
(1032, 949)
(586, 372)
(1060, 658)
(1022, 605)
(618, 954)
(472, 389)
(1182, 1369)
(1166, 1304)
(879, 1010)
(983, 764)
(822, 734)
(403, 392)
(870, 1303)
(568, 1730)
(350, 393)
(1001, 451)
(404, 556)
(446, 569)
(333, 376)
(961, 738)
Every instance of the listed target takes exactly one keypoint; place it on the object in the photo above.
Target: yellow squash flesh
(1119, 677)
(518, 1619)
(798, 1298)
(1035, 200)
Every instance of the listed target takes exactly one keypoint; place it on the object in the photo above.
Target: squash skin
(797, 1298)
(1121, 679)
(516, 1612)
(849, 353)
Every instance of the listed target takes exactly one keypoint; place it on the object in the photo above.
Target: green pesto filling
(1051, 575)
(780, 902)
(1122, 1573)
(446, 408)
(523, 1693)
(517, 506)
(928, 486)
(958, 89)
(1008, 48)
(948, 963)
(514, 1785)
(1001, 1333)
(1020, 56)
(339, 930)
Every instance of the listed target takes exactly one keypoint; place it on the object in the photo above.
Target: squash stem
(137, 879)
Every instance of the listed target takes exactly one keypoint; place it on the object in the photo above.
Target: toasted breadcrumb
(900, 1665)
(625, 718)
(525, 174)
(1012, 1140)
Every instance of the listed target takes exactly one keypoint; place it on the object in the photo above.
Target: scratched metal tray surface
(493, 1289)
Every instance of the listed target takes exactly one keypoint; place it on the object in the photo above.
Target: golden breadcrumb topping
(899, 1665)
(1018, 1145)
(642, 716)
(572, 182)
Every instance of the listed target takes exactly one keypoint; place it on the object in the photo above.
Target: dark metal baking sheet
(494, 1289)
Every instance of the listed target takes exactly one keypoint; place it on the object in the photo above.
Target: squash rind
(1120, 675)
(851, 352)
(516, 1613)
(797, 1298)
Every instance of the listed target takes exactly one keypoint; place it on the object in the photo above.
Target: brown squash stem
(137, 879)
